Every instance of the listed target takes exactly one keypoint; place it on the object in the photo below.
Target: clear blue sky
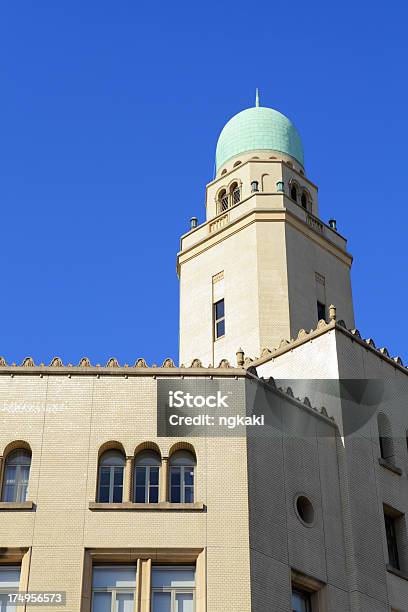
(110, 113)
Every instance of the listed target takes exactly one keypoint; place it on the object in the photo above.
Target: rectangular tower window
(321, 311)
(219, 319)
(392, 541)
(300, 601)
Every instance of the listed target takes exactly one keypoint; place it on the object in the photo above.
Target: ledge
(9, 506)
(161, 506)
(396, 572)
(390, 466)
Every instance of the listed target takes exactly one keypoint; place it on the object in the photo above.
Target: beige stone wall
(305, 258)
(365, 484)
(237, 258)
(65, 420)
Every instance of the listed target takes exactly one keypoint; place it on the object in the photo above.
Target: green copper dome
(258, 128)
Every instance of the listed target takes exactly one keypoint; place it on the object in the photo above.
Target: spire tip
(257, 97)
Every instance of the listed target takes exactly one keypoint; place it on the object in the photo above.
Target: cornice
(265, 215)
(113, 368)
(285, 346)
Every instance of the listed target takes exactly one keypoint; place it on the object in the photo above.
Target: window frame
(174, 591)
(112, 469)
(147, 467)
(218, 320)
(10, 589)
(294, 187)
(182, 486)
(392, 540)
(321, 305)
(114, 590)
(189, 456)
(307, 597)
(19, 486)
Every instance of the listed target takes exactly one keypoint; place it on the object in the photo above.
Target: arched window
(16, 475)
(294, 193)
(304, 200)
(224, 171)
(235, 193)
(222, 201)
(147, 470)
(237, 163)
(385, 438)
(182, 465)
(111, 471)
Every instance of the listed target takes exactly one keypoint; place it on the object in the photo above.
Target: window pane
(140, 476)
(10, 493)
(21, 493)
(5, 605)
(148, 457)
(104, 477)
(175, 476)
(220, 331)
(124, 602)
(112, 457)
(182, 458)
(110, 577)
(140, 496)
(321, 311)
(161, 602)
(24, 473)
(175, 496)
(173, 577)
(391, 542)
(118, 476)
(19, 457)
(154, 476)
(188, 495)
(102, 602)
(154, 495)
(103, 495)
(184, 602)
(10, 488)
(9, 577)
(117, 495)
(219, 310)
(300, 602)
(188, 476)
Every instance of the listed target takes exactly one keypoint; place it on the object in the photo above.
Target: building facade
(101, 512)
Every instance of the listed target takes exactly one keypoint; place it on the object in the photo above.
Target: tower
(263, 265)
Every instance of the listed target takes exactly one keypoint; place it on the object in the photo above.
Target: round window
(305, 510)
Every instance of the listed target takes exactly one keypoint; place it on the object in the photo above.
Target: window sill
(161, 506)
(396, 572)
(27, 505)
(390, 466)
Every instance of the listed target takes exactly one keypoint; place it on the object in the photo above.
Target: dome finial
(257, 97)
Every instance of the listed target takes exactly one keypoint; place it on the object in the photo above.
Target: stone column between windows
(145, 568)
(25, 570)
(164, 475)
(127, 497)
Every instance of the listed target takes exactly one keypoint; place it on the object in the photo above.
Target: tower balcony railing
(261, 201)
